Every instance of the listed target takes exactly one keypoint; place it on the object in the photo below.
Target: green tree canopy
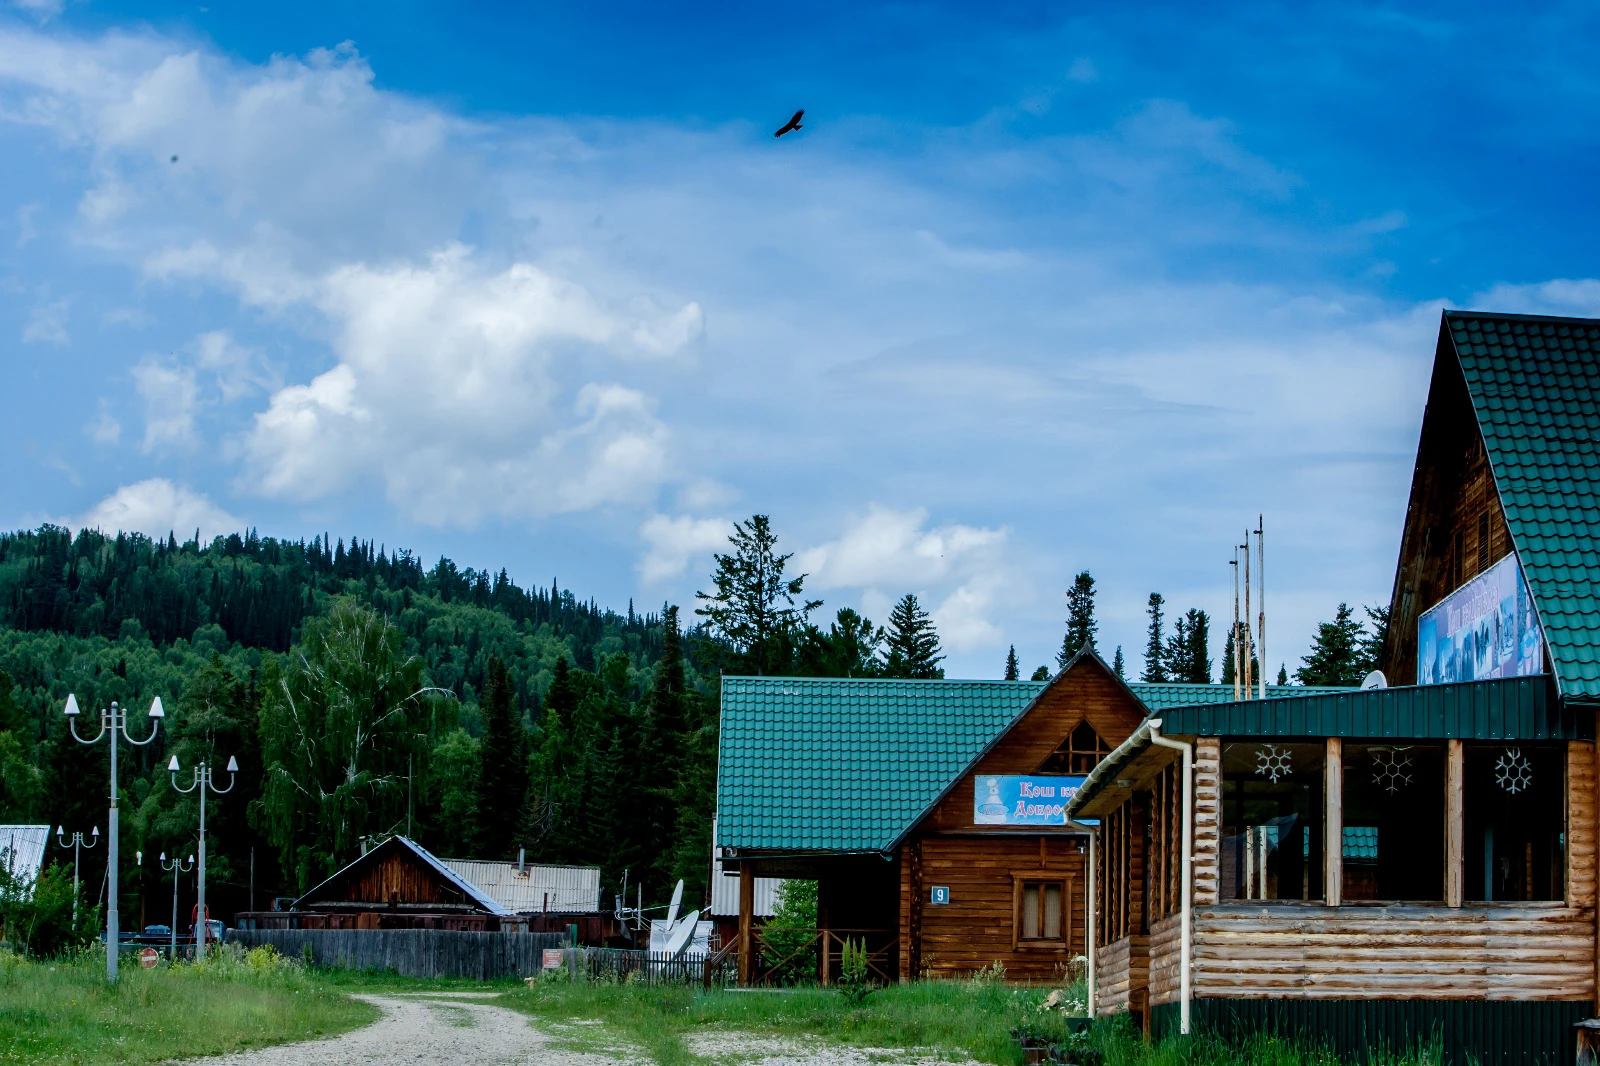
(754, 606)
(911, 648)
(1337, 653)
(1081, 624)
(1155, 648)
(1013, 671)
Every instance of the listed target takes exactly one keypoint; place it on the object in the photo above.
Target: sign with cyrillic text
(1037, 799)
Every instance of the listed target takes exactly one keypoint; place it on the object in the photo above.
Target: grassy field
(64, 1012)
(956, 1019)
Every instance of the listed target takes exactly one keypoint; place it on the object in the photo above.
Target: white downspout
(1186, 933)
(1089, 908)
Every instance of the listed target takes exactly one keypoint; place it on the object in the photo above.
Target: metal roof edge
(490, 904)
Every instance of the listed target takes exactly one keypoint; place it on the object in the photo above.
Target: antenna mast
(1261, 617)
(1236, 672)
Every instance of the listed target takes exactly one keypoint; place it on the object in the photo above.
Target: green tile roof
(848, 765)
(1535, 385)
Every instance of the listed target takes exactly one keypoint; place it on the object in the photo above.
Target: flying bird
(792, 124)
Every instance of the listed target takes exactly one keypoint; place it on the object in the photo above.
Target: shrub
(853, 979)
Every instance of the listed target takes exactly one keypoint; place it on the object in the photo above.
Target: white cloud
(959, 572)
(672, 543)
(47, 324)
(43, 10)
(26, 230)
(104, 428)
(157, 507)
(238, 369)
(1574, 297)
(171, 399)
(456, 369)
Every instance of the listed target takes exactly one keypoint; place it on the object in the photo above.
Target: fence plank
(412, 952)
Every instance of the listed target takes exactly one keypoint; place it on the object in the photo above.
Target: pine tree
(1155, 650)
(1189, 650)
(503, 757)
(911, 645)
(1177, 651)
(1012, 670)
(1041, 674)
(1081, 625)
(1336, 653)
(1117, 666)
(753, 608)
(849, 648)
(1283, 674)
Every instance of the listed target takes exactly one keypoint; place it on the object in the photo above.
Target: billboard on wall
(1484, 629)
(1036, 799)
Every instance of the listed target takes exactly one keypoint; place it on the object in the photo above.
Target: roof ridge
(1449, 313)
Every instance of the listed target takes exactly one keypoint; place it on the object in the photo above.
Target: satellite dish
(683, 935)
(1374, 680)
(677, 901)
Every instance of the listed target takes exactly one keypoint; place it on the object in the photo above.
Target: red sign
(552, 959)
(149, 957)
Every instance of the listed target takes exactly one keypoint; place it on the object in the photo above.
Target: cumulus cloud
(1574, 297)
(238, 370)
(157, 507)
(447, 396)
(672, 542)
(104, 427)
(959, 571)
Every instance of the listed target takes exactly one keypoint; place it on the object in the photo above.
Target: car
(157, 930)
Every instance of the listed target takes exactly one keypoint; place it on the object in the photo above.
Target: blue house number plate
(941, 893)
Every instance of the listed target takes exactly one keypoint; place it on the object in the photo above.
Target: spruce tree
(1227, 661)
(1177, 653)
(503, 757)
(1012, 670)
(1336, 656)
(1371, 644)
(1283, 674)
(1190, 649)
(911, 647)
(1041, 674)
(754, 607)
(1155, 645)
(1117, 666)
(1081, 624)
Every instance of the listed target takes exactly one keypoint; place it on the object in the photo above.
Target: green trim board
(1534, 383)
(1479, 1032)
(822, 766)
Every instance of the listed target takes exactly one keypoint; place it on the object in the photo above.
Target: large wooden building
(1412, 862)
(930, 813)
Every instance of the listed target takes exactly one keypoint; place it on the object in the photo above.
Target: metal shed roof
(472, 891)
(539, 889)
(23, 849)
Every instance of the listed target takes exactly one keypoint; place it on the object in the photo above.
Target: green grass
(956, 1019)
(64, 1014)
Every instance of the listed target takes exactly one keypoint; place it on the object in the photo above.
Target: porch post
(1333, 824)
(747, 908)
(1455, 831)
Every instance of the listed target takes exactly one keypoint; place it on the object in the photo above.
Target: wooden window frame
(1021, 878)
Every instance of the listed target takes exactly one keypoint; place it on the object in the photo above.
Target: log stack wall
(1122, 973)
(1504, 951)
(1166, 950)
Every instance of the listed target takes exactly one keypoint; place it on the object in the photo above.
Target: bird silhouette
(792, 124)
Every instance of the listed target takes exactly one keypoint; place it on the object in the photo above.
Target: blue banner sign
(1484, 629)
(1035, 799)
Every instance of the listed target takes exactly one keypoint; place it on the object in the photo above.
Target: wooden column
(1333, 823)
(747, 911)
(1455, 828)
(911, 951)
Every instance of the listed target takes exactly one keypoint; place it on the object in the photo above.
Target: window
(1042, 911)
(1078, 754)
(1483, 542)
(1512, 800)
(1394, 822)
(1272, 803)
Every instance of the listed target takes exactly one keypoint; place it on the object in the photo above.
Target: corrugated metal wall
(1477, 1032)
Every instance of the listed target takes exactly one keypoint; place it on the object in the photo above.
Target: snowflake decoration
(1513, 772)
(1273, 763)
(1391, 769)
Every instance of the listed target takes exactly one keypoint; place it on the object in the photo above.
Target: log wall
(1166, 950)
(1122, 973)
(1502, 951)
(1207, 818)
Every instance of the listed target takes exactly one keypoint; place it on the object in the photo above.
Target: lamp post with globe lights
(114, 722)
(76, 844)
(204, 782)
(177, 866)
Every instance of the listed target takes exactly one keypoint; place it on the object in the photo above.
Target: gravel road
(449, 1029)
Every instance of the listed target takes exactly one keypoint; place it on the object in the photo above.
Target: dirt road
(447, 1029)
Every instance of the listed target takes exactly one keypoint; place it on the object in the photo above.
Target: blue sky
(1039, 288)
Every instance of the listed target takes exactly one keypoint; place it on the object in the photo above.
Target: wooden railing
(775, 963)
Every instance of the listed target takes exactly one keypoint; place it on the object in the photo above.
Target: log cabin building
(920, 809)
(1416, 861)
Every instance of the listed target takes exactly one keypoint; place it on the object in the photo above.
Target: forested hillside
(536, 711)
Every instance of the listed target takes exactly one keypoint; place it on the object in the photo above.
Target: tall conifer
(503, 784)
(1155, 645)
(1081, 624)
(1012, 670)
(911, 646)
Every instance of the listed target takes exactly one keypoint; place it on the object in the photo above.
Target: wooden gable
(1455, 524)
(1087, 692)
(391, 875)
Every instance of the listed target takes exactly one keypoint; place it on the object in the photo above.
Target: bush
(786, 935)
(36, 919)
(853, 979)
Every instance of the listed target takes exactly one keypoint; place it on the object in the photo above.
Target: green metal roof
(849, 764)
(1515, 708)
(1535, 385)
(1174, 694)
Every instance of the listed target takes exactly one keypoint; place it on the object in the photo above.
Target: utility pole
(1261, 602)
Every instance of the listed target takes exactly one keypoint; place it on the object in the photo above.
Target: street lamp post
(114, 721)
(76, 844)
(177, 867)
(204, 782)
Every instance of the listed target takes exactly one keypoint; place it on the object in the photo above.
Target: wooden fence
(617, 964)
(412, 952)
